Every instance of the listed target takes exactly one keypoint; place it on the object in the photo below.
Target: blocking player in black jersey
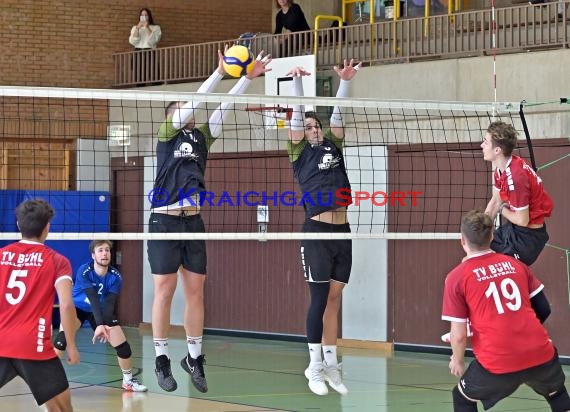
(318, 166)
(182, 152)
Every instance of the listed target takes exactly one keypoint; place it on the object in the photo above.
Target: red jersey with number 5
(493, 291)
(28, 274)
(522, 188)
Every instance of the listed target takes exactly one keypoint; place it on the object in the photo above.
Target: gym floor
(260, 375)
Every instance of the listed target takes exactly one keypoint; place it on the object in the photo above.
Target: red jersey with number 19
(493, 291)
(28, 274)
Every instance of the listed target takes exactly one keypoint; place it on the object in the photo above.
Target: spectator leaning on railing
(290, 18)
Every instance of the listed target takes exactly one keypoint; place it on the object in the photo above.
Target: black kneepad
(559, 401)
(124, 350)
(59, 342)
(461, 403)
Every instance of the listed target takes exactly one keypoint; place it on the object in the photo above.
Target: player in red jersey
(518, 196)
(505, 304)
(30, 273)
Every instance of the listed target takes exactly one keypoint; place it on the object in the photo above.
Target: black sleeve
(541, 306)
(109, 307)
(95, 305)
(298, 19)
(278, 23)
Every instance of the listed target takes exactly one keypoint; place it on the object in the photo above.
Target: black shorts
(45, 378)
(479, 384)
(88, 316)
(521, 242)
(166, 256)
(324, 260)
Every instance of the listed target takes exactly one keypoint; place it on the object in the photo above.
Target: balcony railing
(518, 29)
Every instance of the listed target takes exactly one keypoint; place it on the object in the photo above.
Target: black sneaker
(164, 375)
(195, 368)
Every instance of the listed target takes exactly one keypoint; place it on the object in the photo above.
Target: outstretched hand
(349, 70)
(102, 334)
(298, 72)
(221, 69)
(260, 66)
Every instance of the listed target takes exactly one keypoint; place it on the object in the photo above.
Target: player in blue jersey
(95, 291)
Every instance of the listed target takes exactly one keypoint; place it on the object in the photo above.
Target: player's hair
(33, 216)
(503, 135)
(171, 108)
(150, 19)
(477, 229)
(95, 243)
(313, 115)
(289, 3)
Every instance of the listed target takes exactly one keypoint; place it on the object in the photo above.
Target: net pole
(527, 136)
(494, 54)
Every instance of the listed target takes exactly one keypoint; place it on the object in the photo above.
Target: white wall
(93, 165)
(365, 298)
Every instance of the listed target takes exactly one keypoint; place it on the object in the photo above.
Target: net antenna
(119, 135)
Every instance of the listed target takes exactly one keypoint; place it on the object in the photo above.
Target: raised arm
(297, 122)
(346, 74)
(217, 118)
(185, 113)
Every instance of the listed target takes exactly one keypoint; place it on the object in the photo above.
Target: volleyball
(238, 61)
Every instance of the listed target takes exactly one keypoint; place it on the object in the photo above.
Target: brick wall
(69, 43)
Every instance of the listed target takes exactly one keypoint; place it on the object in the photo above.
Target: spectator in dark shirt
(290, 18)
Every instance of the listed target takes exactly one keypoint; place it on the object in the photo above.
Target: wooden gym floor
(259, 375)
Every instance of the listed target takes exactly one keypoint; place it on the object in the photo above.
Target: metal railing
(518, 29)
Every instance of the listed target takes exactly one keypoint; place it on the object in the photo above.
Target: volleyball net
(414, 166)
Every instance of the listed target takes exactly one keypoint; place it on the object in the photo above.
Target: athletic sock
(194, 346)
(161, 347)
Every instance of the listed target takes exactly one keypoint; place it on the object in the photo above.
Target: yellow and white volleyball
(238, 61)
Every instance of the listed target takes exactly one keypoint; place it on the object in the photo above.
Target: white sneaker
(315, 373)
(333, 376)
(134, 386)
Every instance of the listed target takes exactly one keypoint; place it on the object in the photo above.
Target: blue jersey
(86, 278)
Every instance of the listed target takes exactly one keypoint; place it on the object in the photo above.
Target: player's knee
(319, 295)
(60, 342)
(124, 350)
(461, 403)
(559, 401)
